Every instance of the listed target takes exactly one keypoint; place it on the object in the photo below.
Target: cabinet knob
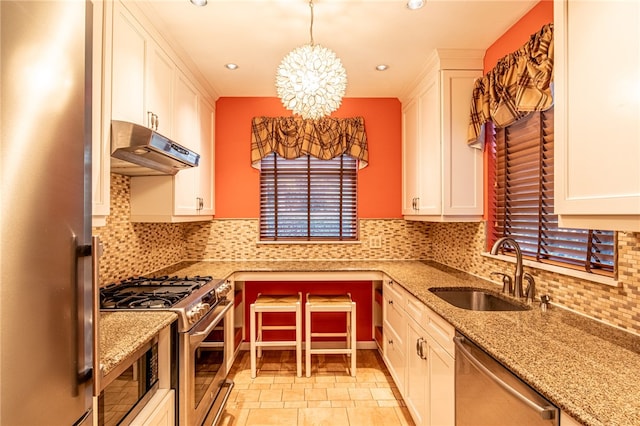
(390, 302)
(390, 342)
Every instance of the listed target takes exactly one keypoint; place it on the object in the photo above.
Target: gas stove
(190, 297)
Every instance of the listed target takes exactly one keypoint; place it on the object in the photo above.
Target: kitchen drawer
(394, 293)
(416, 310)
(440, 330)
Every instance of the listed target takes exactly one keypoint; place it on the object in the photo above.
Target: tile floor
(329, 397)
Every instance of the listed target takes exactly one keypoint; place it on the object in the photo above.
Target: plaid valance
(292, 137)
(519, 83)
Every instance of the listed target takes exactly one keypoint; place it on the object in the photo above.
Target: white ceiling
(257, 34)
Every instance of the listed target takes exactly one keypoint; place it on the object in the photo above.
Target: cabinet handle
(390, 342)
(390, 302)
(418, 348)
(422, 355)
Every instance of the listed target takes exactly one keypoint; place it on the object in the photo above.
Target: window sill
(608, 281)
(306, 242)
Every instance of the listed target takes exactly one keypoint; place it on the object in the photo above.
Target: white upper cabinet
(206, 181)
(159, 91)
(189, 195)
(597, 114)
(442, 176)
(151, 86)
(128, 67)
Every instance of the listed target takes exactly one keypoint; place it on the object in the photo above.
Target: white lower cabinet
(159, 411)
(394, 328)
(424, 365)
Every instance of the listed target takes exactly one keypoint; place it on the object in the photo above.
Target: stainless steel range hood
(139, 151)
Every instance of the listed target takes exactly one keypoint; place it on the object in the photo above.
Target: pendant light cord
(311, 26)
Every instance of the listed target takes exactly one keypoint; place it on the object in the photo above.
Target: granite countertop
(124, 332)
(586, 368)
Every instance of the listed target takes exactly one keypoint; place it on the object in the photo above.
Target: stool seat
(330, 299)
(288, 300)
(330, 303)
(269, 303)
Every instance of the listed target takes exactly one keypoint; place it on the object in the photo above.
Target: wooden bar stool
(331, 303)
(275, 303)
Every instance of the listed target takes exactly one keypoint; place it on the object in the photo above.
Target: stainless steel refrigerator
(45, 187)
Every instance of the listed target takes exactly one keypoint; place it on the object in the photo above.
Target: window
(308, 199)
(522, 206)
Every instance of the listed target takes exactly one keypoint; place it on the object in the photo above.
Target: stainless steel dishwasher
(487, 394)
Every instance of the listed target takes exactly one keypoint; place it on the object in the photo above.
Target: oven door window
(208, 361)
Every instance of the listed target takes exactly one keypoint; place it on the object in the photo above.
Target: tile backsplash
(138, 248)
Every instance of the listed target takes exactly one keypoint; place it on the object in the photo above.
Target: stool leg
(259, 338)
(252, 331)
(298, 339)
(352, 331)
(307, 340)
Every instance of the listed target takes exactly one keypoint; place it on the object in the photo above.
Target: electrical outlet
(375, 242)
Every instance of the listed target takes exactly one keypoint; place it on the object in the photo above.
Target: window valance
(292, 137)
(519, 83)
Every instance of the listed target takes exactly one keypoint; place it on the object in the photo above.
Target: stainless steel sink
(476, 299)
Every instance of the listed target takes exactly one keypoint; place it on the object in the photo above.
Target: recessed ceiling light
(415, 4)
(198, 2)
(231, 66)
(382, 67)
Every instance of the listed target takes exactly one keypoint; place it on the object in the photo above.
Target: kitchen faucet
(519, 272)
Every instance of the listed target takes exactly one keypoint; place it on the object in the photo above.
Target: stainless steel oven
(204, 308)
(204, 368)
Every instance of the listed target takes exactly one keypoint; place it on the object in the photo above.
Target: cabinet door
(394, 355)
(597, 154)
(462, 166)
(206, 183)
(128, 67)
(416, 394)
(186, 132)
(160, 76)
(410, 166)
(430, 202)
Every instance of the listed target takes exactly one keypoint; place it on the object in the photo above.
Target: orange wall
(516, 36)
(237, 183)
(513, 39)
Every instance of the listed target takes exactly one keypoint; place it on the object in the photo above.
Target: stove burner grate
(151, 293)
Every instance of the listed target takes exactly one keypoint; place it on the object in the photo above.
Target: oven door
(203, 374)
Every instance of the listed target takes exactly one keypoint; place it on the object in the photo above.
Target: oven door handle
(196, 337)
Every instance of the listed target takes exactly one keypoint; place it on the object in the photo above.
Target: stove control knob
(223, 289)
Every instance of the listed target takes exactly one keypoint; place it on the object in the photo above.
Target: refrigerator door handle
(95, 269)
(85, 371)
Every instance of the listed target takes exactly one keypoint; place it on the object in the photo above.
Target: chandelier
(311, 80)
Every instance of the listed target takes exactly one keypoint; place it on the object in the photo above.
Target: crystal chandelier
(311, 80)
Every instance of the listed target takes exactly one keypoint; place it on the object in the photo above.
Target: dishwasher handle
(547, 413)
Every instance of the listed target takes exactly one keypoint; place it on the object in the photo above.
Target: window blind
(523, 201)
(308, 199)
